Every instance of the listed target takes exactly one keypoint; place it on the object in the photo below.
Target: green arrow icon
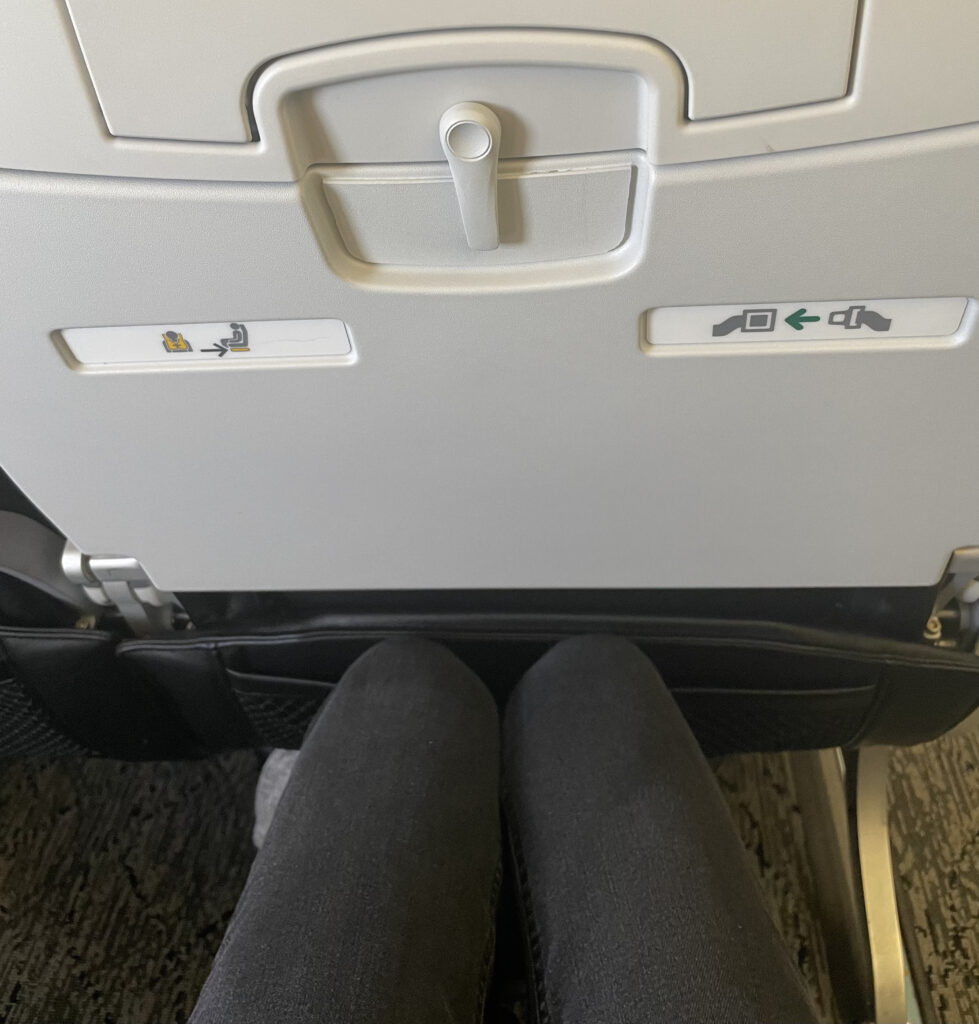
(798, 319)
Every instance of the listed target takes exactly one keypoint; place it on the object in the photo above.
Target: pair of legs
(372, 900)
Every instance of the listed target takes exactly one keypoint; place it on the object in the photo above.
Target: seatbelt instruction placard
(230, 343)
(845, 320)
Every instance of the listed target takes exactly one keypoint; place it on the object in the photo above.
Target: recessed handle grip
(470, 135)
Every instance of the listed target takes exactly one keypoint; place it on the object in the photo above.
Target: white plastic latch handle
(470, 134)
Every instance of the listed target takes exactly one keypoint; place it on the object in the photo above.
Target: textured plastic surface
(545, 109)
(738, 56)
(887, 95)
(503, 425)
(503, 428)
(548, 210)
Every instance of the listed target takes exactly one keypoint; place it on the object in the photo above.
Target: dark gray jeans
(372, 900)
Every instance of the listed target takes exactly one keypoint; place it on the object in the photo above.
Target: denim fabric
(372, 899)
(639, 903)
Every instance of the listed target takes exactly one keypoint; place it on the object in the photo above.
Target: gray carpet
(116, 884)
(935, 839)
(760, 794)
(117, 880)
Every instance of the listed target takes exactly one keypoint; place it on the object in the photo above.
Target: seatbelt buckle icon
(855, 317)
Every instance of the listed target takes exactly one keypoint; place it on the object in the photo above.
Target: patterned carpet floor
(117, 880)
(760, 794)
(935, 839)
(116, 883)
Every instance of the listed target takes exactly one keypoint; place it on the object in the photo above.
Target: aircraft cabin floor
(117, 880)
